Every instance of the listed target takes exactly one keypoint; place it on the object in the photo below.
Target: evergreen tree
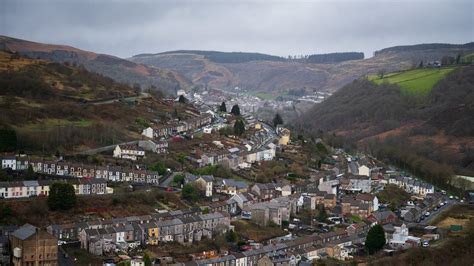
(235, 110)
(277, 120)
(375, 239)
(61, 196)
(239, 127)
(223, 108)
(182, 99)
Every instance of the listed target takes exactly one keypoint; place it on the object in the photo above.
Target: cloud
(125, 28)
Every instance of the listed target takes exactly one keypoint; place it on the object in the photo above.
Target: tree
(4, 176)
(8, 139)
(205, 211)
(61, 196)
(235, 110)
(322, 215)
(239, 127)
(190, 192)
(231, 236)
(182, 159)
(223, 108)
(381, 73)
(458, 59)
(30, 173)
(178, 179)
(147, 260)
(421, 64)
(182, 99)
(277, 120)
(375, 239)
(158, 167)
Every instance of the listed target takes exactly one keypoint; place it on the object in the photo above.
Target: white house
(131, 152)
(9, 161)
(401, 239)
(148, 132)
(364, 170)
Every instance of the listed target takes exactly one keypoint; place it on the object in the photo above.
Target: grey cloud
(125, 28)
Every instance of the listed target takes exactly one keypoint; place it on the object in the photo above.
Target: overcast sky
(125, 28)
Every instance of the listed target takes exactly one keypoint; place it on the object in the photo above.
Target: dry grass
(248, 230)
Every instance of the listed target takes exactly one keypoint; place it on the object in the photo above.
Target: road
(63, 259)
(436, 213)
(166, 180)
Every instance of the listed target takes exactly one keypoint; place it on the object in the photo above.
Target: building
(204, 182)
(130, 152)
(231, 186)
(266, 191)
(284, 135)
(402, 240)
(8, 161)
(33, 246)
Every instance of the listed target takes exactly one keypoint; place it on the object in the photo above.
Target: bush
(61, 196)
(190, 192)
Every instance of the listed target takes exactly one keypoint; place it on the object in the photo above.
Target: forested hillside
(413, 131)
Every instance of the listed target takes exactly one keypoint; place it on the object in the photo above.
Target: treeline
(417, 47)
(334, 57)
(228, 57)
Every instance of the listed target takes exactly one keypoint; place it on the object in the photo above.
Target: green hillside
(417, 82)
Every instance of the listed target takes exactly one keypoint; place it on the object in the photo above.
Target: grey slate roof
(24, 232)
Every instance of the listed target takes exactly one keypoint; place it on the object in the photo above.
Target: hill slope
(55, 106)
(415, 82)
(439, 128)
(276, 75)
(119, 69)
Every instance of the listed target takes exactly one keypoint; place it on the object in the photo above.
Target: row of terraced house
(177, 127)
(32, 188)
(101, 237)
(77, 170)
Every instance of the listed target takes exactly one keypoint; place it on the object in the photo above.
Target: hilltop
(120, 70)
(436, 126)
(59, 106)
(277, 76)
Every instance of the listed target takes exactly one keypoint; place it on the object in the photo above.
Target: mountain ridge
(119, 69)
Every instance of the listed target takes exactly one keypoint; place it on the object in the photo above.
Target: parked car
(427, 214)
(426, 244)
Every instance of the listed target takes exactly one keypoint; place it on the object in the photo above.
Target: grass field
(417, 82)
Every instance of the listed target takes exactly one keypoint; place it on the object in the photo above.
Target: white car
(427, 214)
(426, 244)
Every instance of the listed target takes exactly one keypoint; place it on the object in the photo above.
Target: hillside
(120, 70)
(415, 82)
(54, 106)
(275, 75)
(438, 127)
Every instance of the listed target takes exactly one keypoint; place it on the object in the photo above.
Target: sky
(126, 28)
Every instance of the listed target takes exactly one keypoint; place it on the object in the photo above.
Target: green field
(417, 82)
